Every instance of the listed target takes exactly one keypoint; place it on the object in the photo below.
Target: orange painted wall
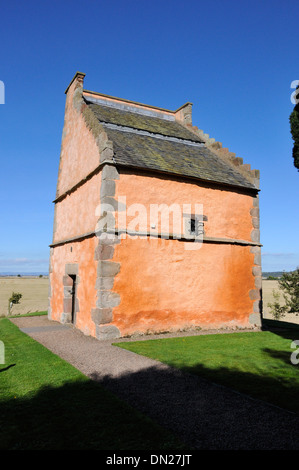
(76, 213)
(228, 212)
(83, 254)
(79, 151)
(163, 286)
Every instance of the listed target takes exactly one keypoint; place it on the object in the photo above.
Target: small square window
(193, 225)
(196, 226)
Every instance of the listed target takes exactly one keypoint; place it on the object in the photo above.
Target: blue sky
(234, 60)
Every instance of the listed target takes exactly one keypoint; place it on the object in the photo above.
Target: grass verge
(30, 314)
(47, 404)
(254, 363)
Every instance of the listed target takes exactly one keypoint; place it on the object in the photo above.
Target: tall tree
(294, 122)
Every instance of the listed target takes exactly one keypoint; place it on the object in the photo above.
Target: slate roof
(152, 143)
(142, 122)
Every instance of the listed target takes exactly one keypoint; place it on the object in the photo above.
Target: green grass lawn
(45, 403)
(255, 363)
(31, 314)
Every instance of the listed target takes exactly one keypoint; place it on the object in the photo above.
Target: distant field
(34, 294)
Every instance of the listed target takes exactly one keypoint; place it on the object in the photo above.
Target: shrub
(289, 285)
(14, 299)
(276, 309)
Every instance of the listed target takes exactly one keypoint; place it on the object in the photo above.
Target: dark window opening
(73, 277)
(193, 226)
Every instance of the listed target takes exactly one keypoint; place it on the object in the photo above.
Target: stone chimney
(184, 114)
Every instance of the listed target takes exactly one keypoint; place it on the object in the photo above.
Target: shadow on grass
(78, 416)
(85, 415)
(6, 368)
(210, 416)
(287, 330)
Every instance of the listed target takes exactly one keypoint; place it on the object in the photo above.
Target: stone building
(156, 226)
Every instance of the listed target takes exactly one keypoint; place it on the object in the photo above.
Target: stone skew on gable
(184, 116)
(79, 120)
(105, 146)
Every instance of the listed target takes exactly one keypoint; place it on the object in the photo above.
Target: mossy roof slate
(133, 150)
(151, 143)
(142, 122)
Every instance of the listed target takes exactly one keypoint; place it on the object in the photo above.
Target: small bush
(276, 309)
(14, 299)
(289, 285)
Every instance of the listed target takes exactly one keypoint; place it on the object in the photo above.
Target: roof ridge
(138, 103)
(122, 105)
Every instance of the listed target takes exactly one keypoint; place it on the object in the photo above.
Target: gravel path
(203, 414)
